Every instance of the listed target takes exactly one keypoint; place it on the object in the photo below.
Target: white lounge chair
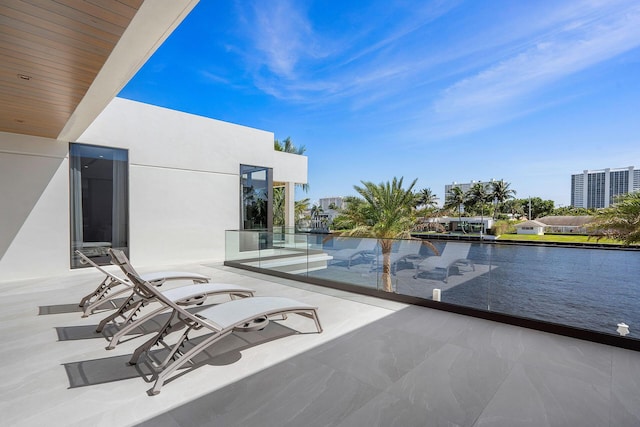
(364, 251)
(131, 310)
(221, 320)
(113, 286)
(408, 251)
(454, 254)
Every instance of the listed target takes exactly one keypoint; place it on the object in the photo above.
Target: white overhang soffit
(62, 62)
(152, 24)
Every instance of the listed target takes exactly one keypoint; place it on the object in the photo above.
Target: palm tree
(300, 206)
(426, 198)
(384, 212)
(351, 214)
(455, 199)
(287, 146)
(620, 221)
(316, 210)
(278, 206)
(479, 196)
(500, 192)
(514, 207)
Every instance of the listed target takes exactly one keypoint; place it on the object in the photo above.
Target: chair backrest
(338, 243)
(455, 250)
(409, 247)
(144, 289)
(367, 244)
(86, 260)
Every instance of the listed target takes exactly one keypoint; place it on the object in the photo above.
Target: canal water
(586, 288)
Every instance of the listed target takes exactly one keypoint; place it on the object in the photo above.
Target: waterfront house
(566, 223)
(555, 224)
(531, 226)
(466, 223)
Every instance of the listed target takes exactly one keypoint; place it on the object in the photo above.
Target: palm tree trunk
(460, 221)
(386, 246)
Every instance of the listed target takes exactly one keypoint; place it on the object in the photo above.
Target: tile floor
(377, 363)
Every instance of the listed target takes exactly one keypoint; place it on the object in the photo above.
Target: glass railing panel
(456, 273)
(343, 259)
(242, 245)
(593, 289)
(286, 252)
(285, 237)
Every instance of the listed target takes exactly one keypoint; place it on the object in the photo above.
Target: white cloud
(282, 36)
(308, 66)
(494, 94)
(396, 69)
(215, 77)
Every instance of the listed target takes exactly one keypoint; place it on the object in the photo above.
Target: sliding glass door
(99, 194)
(257, 194)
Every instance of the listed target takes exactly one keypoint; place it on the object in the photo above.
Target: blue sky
(442, 91)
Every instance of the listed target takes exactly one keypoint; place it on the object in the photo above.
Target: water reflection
(592, 289)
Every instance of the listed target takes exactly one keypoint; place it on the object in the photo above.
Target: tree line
(496, 199)
(386, 209)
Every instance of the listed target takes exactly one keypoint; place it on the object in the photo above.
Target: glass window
(618, 184)
(256, 188)
(99, 187)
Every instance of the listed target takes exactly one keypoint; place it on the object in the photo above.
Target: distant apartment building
(598, 188)
(335, 202)
(320, 221)
(466, 186)
(330, 201)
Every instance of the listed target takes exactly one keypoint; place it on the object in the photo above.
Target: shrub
(503, 227)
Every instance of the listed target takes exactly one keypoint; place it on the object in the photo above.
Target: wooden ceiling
(50, 53)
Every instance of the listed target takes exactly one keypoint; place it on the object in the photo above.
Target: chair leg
(317, 320)
(129, 304)
(101, 296)
(166, 329)
(101, 287)
(184, 358)
(131, 324)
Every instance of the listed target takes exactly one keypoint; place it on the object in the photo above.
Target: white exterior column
(289, 205)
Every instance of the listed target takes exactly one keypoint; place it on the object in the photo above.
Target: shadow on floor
(44, 310)
(227, 351)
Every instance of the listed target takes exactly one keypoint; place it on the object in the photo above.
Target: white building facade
(162, 184)
(530, 227)
(184, 189)
(326, 202)
(599, 188)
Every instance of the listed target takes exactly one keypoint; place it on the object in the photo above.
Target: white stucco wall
(183, 183)
(34, 207)
(535, 230)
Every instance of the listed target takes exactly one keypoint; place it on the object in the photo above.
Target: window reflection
(256, 183)
(99, 201)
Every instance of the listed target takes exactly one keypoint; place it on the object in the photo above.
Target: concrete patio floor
(377, 363)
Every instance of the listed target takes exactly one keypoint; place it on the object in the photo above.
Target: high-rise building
(598, 188)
